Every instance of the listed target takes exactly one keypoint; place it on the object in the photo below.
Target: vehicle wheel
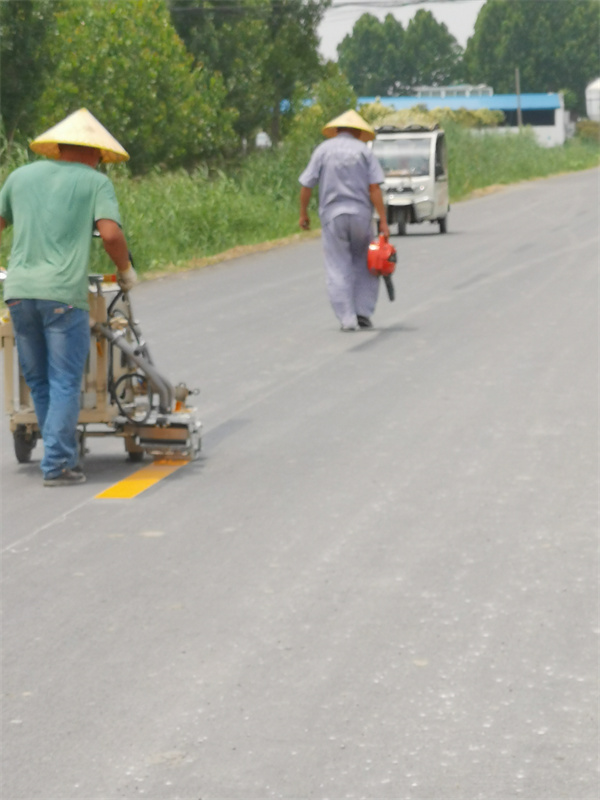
(136, 456)
(443, 221)
(24, 443)
(401, 220)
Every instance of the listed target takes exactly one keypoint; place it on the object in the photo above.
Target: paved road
(379, 581)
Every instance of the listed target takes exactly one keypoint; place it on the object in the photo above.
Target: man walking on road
(349, 178)
(53, 207)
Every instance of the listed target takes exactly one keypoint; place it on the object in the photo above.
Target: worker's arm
(2, 226)
(115, 245)
(305, 193)
(377, 200)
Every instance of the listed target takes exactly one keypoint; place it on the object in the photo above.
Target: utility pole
(518, 88)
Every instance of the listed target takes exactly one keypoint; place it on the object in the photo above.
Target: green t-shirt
(53, 206)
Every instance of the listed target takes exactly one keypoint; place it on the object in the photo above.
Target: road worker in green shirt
(53, 206)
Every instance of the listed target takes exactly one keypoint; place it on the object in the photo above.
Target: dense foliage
(123, 61)
(188, 83)
(179, 82)
(262, 48)
(326, 99)
(381, 58)
(25, 61)
(554, 45)
(372, 56)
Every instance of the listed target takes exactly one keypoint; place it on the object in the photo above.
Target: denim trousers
(53, 341)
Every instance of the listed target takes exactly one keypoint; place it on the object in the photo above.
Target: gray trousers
(351, 287)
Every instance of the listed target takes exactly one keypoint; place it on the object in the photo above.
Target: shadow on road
(381, 334)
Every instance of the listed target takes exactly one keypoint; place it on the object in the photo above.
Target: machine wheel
(133, 395)
(82, 449)
(401, 220)
(443, 222)
(24, 443)
(133, 454)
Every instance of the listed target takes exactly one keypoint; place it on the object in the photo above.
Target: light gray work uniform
(344, 167)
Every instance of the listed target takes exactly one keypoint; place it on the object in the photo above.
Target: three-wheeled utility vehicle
(415, 164)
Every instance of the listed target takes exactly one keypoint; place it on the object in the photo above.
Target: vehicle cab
(415, 164)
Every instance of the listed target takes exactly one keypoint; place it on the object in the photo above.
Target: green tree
(381, 58)
(372, 56)
(261, 47)
(229, 40)
(433, 56)
(328, 98)
(25, 64)
(123, 60)
(292, 54)
(554, 45)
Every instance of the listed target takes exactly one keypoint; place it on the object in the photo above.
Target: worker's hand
(127, 278)
(304, 222)
(384, 228)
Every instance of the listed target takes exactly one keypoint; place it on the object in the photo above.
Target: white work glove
(127, 279)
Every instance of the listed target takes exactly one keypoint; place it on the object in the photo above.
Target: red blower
(381, 260)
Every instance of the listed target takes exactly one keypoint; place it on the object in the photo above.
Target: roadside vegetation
(171, 80)
(179, 219)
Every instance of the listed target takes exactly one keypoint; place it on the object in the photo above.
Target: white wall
(592, 100)
(546, 135)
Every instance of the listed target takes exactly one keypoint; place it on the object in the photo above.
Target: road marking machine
(122, 394)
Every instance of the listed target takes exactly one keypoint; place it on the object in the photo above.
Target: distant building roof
(496, 102)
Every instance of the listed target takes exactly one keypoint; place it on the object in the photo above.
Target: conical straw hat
(349, 119)
(80, 128)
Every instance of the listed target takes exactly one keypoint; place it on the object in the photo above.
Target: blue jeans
(53, 341)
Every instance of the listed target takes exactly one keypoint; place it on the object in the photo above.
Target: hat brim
(349, 119)
(52, 150)
(365, 136)
(82, 129)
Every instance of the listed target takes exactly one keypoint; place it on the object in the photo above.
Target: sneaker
(347, 328)
(364, 322)
(68, 477)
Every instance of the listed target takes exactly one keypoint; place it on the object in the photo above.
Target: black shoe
(68, 477)
(364, 322)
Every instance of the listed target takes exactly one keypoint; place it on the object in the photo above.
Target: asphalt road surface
(379, 581)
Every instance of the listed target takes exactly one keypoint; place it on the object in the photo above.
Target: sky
(458, 15)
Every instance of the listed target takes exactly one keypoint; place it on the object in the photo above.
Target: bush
(378, 114)
(588, 130)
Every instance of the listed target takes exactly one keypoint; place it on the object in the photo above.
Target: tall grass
(478, 159)
(174, 219)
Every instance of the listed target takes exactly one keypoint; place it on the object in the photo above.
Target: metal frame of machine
(123, 394)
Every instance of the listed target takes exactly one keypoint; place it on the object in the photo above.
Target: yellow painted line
(142, 479)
